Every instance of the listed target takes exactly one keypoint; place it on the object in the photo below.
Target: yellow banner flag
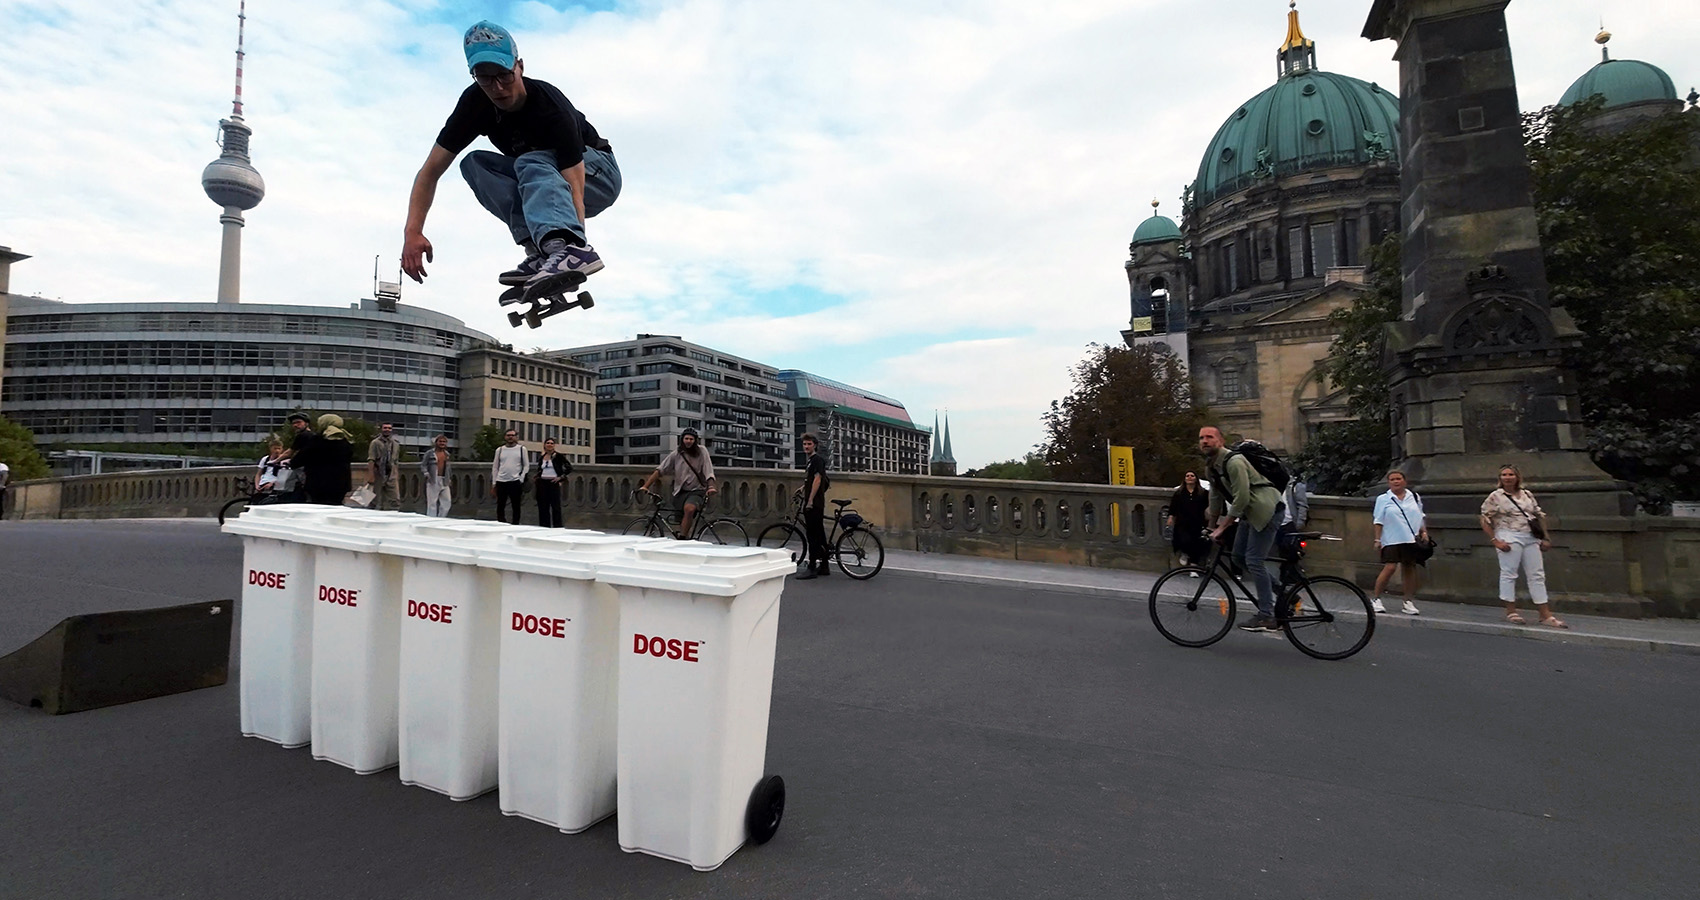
(1121, 465)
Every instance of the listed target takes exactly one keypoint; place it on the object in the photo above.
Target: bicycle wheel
(235, 504)
(787, 537)
(648, 526)
(1191, 606)
(1333, 618)
(860, 554)
(725, 531)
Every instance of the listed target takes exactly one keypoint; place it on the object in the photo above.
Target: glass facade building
(220, 374)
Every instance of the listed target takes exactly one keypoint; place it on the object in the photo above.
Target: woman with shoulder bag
(1517, 526)
(1402, 537)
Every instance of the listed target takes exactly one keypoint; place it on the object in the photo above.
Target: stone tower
(1158, 282)
(232, 182)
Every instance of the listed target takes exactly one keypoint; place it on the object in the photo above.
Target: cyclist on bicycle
(1239, 492)
(692, 473)
(273, 476)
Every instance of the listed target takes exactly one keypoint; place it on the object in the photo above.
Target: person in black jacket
(815, 484)
(552, 469)
(325, 459)
(1187, 514)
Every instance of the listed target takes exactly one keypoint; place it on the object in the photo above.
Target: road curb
(1526, 632)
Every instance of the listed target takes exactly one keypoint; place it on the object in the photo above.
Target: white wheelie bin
(449, 643)
(560, 631)
(698, 628)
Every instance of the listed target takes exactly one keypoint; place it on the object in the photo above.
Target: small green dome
(1156, 229)
(1621, 81)
(1307, 120)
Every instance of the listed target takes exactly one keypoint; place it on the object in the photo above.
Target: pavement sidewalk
(1658, 635)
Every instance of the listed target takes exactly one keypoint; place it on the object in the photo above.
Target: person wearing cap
(552, 173)
(693, 479)
(301, 437)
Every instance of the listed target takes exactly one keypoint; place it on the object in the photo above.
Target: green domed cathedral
(1298, 182)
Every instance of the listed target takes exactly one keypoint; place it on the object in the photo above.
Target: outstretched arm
(415, 248)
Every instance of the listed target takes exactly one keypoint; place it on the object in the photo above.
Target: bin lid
(359, 530)
(695, 567)
(262, 521)
(562, 554)
(450, 541)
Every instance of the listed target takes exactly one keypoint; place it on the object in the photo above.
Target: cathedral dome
(1309, 119)
(1621, 82)
(1156, 230)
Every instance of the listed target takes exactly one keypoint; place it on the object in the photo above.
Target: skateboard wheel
(514, 319)
(586, 301)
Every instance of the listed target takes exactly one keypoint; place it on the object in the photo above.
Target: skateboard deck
(539, 308)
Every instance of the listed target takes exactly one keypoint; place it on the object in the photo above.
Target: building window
(1349, 234)
(638, 387)
(1295, 253)
(1321, 248)
(1230, 381)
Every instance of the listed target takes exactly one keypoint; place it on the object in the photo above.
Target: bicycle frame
(1219, 553)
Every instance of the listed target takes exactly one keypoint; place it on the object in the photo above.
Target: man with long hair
(692, 473)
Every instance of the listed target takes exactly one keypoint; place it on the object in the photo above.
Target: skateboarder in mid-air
(554, 171)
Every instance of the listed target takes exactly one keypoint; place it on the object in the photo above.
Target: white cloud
(965, 175)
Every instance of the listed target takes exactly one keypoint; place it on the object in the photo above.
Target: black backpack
(1263, 460)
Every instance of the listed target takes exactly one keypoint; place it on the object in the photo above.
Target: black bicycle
(249, 497)
(851, 540)
(664, 521)
(1324, 616)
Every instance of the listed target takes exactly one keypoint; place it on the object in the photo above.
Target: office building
(859, 430)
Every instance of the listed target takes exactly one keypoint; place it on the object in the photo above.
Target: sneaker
(1375, 606)
(564, 268)
(1261, 623)
(1409, 609)
(806, 574)
(523, 272)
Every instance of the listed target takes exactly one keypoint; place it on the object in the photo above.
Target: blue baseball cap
(487, 42)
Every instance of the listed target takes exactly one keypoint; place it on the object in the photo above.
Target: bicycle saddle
(843, 503)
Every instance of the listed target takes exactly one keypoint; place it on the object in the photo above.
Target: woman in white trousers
(1517, 526)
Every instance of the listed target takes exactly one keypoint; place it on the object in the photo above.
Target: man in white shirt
(507, 476)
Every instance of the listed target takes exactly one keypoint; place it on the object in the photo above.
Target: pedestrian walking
(325, 458)
(1240, 493)
(507, 476)
(1514, 522)
(383, 468)
(1401, 533)
(815, 484)
(435, 468)
(552, 470)
(5, 479)
(1189, 509)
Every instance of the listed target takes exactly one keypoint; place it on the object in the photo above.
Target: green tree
(1347, 457)
(17, 451)
(1028, 468)
(1137, 397)
(485, 441)
(1619, 216)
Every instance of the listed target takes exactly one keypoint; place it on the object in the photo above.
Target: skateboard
(540, 308)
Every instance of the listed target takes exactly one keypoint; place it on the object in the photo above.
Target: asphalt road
(937, 739)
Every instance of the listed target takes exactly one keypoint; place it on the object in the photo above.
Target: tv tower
(232, 182)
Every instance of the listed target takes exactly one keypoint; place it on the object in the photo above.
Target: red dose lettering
(267, 579)
(339, 596)
(540, 625)
(430, 612)
(670, 648)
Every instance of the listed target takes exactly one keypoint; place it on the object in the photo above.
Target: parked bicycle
(249, 497)
(664, 520)
(851, 540)
(1324, 616)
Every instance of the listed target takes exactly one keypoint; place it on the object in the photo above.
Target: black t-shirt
(547, 121)
(816, 466)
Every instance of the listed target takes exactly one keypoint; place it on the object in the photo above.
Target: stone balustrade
(1074, 524)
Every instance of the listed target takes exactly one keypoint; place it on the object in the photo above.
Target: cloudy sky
(928, 199)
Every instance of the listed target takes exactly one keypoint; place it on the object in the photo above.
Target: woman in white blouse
(1399, 526)
(1517, 526)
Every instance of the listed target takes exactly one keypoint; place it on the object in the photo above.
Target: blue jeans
(1254, 545)
(530, 195)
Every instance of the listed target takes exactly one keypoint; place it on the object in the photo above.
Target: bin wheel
(767, 807)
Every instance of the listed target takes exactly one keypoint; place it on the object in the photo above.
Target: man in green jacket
(1238, 492)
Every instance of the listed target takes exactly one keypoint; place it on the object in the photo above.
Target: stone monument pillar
(1476, 361)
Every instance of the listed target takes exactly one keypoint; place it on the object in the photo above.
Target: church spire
(1298, 53)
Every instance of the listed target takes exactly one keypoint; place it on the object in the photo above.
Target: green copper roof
(1155, 229)
(1622, 81)
(1307, 120)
